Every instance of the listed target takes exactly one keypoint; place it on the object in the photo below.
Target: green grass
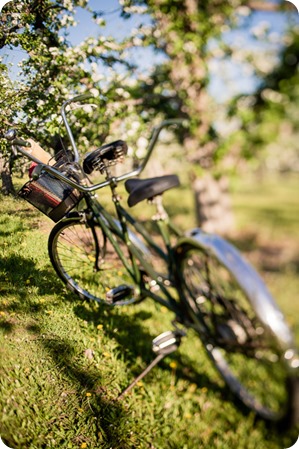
(65, 361)
(267, 231)
(270, 205)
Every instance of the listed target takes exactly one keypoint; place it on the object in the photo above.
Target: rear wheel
(247, 355)
(87, 263)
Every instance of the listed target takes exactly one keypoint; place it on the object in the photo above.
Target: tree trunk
(7, 185)
(189, 76)
(212, 205)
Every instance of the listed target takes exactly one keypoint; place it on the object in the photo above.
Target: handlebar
(21, 143)
(81, 97)
(10, 135)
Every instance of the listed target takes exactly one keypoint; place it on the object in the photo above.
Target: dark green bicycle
(201, 278)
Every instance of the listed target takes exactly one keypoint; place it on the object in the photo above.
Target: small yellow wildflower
(2, 313)
(88, 395)
(80, 410)
(99, 327)
(106, 354)
(173, 365)
(192, 388)
(83, 445)
(188, 416)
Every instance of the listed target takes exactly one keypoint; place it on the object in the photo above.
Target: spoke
(88, 263)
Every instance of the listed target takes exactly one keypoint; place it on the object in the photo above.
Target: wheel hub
(231, 331)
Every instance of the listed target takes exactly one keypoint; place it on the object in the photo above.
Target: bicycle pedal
(167, 342)
(119, 293)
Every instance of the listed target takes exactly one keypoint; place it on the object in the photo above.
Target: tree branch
(260, 5)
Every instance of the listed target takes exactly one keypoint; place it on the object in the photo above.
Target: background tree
(55, 70)
(268, 118)
(192, 34)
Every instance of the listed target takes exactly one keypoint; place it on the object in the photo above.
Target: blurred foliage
(193, 36)
(55, 70)
(269, 118)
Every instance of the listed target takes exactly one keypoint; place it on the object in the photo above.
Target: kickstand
(141, 375)
(163, 345)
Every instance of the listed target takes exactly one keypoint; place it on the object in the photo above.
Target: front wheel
(87, 263)
(249, 356)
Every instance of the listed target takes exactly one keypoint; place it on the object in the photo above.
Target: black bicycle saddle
(142, 189)
(104, 156)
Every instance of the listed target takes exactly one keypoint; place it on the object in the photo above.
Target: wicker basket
(51, 196)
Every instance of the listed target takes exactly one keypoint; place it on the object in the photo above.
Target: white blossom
(243, 10)
(261, 29)
(137, 41)
(100, 21)
(189, 47)
(95, 92)
(272, 95)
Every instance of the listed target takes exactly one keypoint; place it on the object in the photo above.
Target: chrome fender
(248, 279)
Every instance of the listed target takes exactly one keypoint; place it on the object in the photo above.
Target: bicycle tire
(86, 261)
(250, 358)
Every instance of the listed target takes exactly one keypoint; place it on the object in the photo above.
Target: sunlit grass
(64, 362)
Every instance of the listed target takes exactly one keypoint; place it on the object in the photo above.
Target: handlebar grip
(82, 97)
(21, 143)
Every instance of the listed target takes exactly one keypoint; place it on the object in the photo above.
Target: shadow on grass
(20, 223)
(6, 326)
(106, 415)
(134, 340)
(132, 337)
(20, 276)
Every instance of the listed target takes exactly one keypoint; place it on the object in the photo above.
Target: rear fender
(248, 279)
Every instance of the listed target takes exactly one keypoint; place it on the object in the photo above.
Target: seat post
(161, 213)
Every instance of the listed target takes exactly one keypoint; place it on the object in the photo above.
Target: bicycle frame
(110, 227)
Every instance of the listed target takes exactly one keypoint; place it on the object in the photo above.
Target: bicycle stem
(66, 124)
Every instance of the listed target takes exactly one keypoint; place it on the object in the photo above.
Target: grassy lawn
(64, 361)
(267, 212)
